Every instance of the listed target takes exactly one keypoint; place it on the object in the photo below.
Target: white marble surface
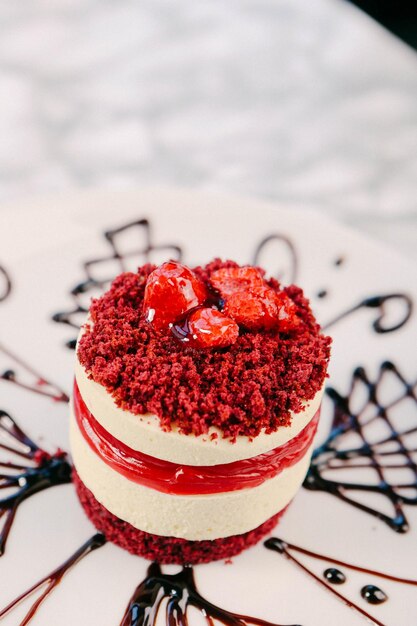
(296, 101)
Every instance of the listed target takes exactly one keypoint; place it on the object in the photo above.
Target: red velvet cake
(196, 399)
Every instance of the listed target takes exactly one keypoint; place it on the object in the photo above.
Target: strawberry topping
(255, 311)
(171, 290)
(288, 319)
(230, 280)
(209, 328)
(251, 303)
(177, 298)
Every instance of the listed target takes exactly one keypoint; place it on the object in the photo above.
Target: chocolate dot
(334, 576)
(373, 594)
(9, 375)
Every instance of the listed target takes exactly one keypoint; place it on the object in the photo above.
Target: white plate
(42, 246)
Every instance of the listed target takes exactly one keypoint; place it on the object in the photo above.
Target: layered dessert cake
(196, 399)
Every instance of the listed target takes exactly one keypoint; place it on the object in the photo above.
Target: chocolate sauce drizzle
(49, 582)
(99, 272)
(36, 383)
(385, 456)
(279, 239)
(32, 470)
(5, 284)
(287, 549)
(181, 592)
(379, 302)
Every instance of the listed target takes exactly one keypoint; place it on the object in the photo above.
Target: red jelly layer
(174, 478)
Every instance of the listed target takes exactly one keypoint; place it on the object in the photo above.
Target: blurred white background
(300, 102)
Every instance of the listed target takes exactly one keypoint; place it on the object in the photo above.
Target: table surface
(304, 103)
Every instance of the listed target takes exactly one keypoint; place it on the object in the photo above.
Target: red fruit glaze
(288, 319)
(171, 290)
(207, 328)
(230, 280)
(174, 478)
(254, 311)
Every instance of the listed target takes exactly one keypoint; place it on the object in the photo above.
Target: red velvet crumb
(242, 389)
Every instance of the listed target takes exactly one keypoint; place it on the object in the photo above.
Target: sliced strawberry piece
(209, 328)
(171, 290)
(236, 279)
(255, 311)
(288, 319)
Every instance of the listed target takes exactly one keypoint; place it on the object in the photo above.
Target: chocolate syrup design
(386, 456)
(35, 382)
(280, 239)
(49, 582)
(287, 549)
(181, 592)
(379, 302)
(5, 284)
(100, 272)
(39, 470)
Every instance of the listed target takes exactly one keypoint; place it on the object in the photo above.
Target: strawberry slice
(231, 280)
(171, 290)
(288, 319)
(209, 328)
(255, 311)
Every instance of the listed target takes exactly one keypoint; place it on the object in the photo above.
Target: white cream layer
(144, 433)
(188, 517)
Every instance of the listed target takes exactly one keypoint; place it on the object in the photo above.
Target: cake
(196, 399)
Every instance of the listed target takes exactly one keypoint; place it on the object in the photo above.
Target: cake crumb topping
(243, 389)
